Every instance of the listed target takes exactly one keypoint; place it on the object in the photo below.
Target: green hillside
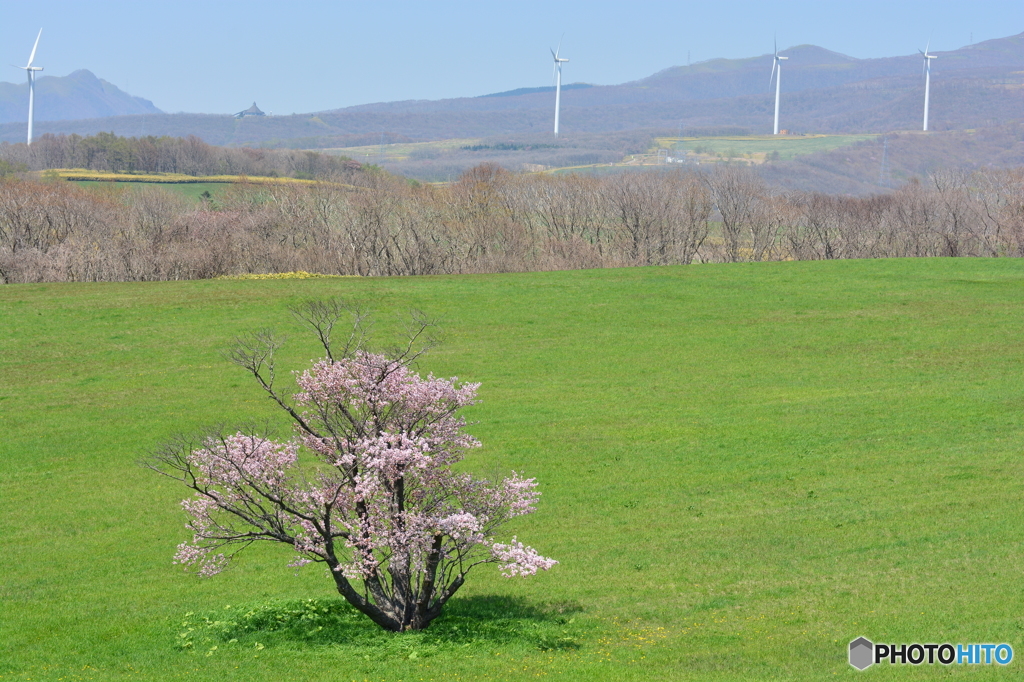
(758, 148)
(743, 467)
(193, 191)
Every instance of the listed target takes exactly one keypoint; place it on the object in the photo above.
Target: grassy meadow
(193, 188)
(758, 147)
(743, 468)
(85, 175)
(399, 151)
(193, 191)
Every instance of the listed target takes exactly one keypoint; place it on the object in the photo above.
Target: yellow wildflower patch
(169, 178)
(298, 274)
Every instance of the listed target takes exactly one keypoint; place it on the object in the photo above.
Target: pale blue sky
(218, 56)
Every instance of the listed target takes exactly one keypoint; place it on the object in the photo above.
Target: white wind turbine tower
(927, 79)
(776, 65)
(557, 73)
(32, 84)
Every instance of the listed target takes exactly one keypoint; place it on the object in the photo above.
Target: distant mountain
(824, 92)
(808, 68)
(76, 96)
(543, 88)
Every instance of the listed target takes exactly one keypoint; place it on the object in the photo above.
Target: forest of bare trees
(491, 221)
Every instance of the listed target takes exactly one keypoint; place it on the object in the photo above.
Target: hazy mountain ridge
(824, 91)
(857, 107)
(79, 95)
(808, 67)
(543, 88)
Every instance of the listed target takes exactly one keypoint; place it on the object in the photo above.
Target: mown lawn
(743, 468)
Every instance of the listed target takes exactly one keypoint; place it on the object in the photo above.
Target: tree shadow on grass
(509, 620)
(485, 621)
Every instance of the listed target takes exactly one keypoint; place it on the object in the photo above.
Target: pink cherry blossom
(375, 498)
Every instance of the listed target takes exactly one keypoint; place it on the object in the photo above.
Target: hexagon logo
(861, 653)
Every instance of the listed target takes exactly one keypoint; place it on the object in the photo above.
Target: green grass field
(743, 468)
(190, 190)
(398, 151)
(757, 147)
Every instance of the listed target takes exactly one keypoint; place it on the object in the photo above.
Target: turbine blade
(32, 56)
(559, 48)
(927, 45)
(553, 55)
(775, 41)
(772, 78)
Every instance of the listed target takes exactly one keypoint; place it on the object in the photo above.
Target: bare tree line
(492, 221)
(185, 155)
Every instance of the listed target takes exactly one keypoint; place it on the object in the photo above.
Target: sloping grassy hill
(858, 168)
(758, 148)
(744, 467)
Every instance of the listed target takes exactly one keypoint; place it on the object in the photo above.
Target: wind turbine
(776, 64)
(927, 79)
(557, 73)
(32, 84)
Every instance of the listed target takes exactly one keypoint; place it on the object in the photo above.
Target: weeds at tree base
(476, 623)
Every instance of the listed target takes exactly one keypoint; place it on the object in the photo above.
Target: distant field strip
(751, 150)
(399, 151)
(80, 174)
(758, 147)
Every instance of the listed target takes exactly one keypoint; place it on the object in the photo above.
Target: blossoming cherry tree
(378, 502)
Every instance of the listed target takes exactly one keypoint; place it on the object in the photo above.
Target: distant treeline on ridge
(186, 155)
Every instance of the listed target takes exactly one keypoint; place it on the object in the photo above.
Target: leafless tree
(735, 191)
